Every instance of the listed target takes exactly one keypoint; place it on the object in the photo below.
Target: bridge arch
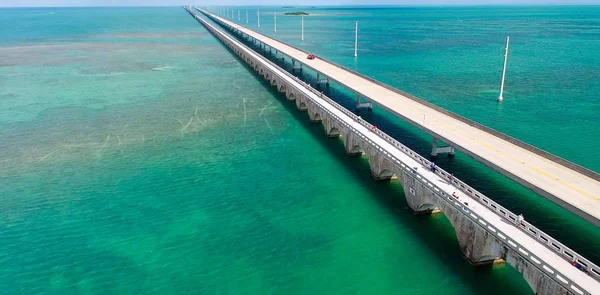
(333, 132)
(315, 116)
(301, 104)
(353, 144)
(291, 96)
(381, 167)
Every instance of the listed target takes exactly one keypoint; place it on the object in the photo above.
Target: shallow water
(138, 155)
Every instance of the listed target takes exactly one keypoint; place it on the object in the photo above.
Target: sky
(62, 3)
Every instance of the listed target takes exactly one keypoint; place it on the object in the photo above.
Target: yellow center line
(540, 171)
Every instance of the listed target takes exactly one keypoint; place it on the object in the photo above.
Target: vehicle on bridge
(311, 56)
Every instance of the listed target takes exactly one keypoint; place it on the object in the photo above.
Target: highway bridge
(486, 231)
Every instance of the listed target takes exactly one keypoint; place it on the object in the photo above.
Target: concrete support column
(301, 101)
(330, 125)
(477, 245)
(291, 96)
(435, 149)
(296, 67)
(352, 144)
(539, 282)
(320, 81)
(381, 167)
(363, 105)
(419, 199)
(313, 112)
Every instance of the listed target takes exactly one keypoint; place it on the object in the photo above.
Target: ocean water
(139, 156)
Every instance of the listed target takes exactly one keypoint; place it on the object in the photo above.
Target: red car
(311, 56)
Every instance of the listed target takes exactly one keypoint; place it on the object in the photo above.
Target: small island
(296, 13)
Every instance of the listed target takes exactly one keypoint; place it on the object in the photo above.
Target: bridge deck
(565, 186)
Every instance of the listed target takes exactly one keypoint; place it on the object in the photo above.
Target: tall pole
(356, 41)
(501, 97)
(275, 17)
(302, 27)
(258, 15)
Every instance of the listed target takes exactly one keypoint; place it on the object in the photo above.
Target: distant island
(287, 6)
(296, 13)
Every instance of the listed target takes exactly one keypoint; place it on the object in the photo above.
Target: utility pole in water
(501, 97)
(356, 41)
(302, 20)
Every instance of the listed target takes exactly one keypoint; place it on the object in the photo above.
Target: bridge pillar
(313, 112)
(330, 125)
(320, 81)
(301, 103)
(477, 245)
(435, 149)
(352, 144)
(419, 199)
(540, 283)
(362, 105)
(296, 67)
(281, 86)
(290, 94)
(381, 167)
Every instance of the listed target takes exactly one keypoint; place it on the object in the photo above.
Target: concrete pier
(484, 229)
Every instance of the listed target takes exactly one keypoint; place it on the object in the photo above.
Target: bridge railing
(543, 238)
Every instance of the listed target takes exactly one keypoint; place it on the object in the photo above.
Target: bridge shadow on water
(435, 233)
(549, 217)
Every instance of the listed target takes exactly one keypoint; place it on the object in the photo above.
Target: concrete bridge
(570, 186)
(486, 231)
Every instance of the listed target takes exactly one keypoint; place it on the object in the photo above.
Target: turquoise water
(138, 155)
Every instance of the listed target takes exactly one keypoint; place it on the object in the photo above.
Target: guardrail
(540, 236)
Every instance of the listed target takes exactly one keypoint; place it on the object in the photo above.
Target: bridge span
(570, 186)
(486, 231)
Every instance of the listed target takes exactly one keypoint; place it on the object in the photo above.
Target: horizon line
(336, 5)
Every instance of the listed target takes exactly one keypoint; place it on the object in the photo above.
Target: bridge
(487, 232)
(570, 186)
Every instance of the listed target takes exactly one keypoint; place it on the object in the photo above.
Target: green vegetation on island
(296, 13)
